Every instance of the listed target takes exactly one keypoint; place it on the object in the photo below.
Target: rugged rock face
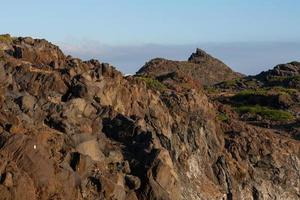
(201, 66)
(72, 129)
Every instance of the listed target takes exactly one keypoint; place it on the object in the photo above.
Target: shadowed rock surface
(72, 129)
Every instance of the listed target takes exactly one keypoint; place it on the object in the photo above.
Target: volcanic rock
(72, 129)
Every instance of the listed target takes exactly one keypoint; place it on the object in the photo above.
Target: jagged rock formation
(283, 75)
(283, 70)
(72, 129)
(201, 66)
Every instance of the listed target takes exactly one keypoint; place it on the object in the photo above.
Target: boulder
(27, 103)
(8, 180)
(91, 148)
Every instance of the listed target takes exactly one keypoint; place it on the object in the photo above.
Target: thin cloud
(247, 58)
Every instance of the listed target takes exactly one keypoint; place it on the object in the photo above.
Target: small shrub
(58, 108)
(246, 93)
(211, 90)
(246, 97)
(223, 117)
(266, 92)
(231, 83)
(290, 82)
(266, 112)
(97, 99)
(284, 78)
(283, 90)
(251, 83)
(152, 83)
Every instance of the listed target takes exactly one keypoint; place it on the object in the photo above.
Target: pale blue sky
(87, 27)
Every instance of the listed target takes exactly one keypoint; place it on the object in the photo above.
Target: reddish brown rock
(80, 130)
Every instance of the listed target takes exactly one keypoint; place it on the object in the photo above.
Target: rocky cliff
(73, 129)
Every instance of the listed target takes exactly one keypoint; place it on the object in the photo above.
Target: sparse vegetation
(283, 90)
(290, 81)
(6, 38)
(265, 112)
(266, 91)
(223, 117)
(152, 83)
(251, 83)
(231, 83)
(238, 83)
(211, 90)
(97, 99)
(283, 78)
(246, 93)
(249, 97)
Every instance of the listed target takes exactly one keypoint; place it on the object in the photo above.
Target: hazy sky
(248, 35)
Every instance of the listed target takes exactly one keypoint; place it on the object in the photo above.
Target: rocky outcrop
(269, 99)
(201, 67)
(72, 129)
(283, 70)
